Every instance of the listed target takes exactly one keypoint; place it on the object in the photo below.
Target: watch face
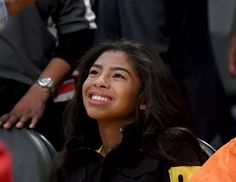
(46, 83)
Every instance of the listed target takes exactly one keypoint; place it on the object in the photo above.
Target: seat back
(32, 154)
(206, 147)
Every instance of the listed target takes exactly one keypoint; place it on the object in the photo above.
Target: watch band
(46, 82)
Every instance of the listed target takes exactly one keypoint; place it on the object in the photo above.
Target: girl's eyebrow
(120, 69)
(113, 68)
(96, 65)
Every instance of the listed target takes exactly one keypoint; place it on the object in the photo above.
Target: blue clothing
(3, 14)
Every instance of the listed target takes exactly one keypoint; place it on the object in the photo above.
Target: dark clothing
(117, 167)
(178, 31)
(126, 163)
(27, 46)
(50, 124)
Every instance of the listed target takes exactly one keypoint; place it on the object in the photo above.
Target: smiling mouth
(100, 98)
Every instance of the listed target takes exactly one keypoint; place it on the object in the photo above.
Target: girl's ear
(143, 107)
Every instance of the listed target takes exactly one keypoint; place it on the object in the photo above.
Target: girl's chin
(97, 116)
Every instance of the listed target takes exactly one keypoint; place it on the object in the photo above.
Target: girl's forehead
(113, 57)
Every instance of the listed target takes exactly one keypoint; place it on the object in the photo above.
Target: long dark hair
(165, 119)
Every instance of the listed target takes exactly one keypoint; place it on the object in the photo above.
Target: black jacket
(126, 163)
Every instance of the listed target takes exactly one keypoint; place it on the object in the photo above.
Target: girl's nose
(101, 82)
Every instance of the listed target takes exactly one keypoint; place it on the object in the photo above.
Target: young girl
(127, 120)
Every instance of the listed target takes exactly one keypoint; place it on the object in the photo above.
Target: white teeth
(100, 98)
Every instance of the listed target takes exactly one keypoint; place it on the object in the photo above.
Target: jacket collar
(131, 138)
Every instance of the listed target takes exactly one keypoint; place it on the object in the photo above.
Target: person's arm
(30, 108)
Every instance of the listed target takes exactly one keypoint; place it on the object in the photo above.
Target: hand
(232, 56)
(30, 109)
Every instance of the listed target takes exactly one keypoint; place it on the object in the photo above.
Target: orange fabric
(5, 164)
(220, 167)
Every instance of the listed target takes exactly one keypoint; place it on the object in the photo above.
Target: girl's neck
(110, 136)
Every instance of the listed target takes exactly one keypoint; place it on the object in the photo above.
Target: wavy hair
(165, 119)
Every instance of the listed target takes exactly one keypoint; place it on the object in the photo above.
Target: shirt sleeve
(75, 23)
(74, 15)
(73, 45)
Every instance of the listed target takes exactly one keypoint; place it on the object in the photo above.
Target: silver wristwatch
(46, 82)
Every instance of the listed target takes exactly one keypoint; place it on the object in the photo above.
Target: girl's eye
(93, 72)
(119, 76)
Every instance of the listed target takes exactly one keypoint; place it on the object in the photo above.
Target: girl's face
(111, 88)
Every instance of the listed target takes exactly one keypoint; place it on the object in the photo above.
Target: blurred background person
(34, 62)
(179, 32)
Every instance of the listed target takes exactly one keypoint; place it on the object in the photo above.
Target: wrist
(42, 93)
(46, 83)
